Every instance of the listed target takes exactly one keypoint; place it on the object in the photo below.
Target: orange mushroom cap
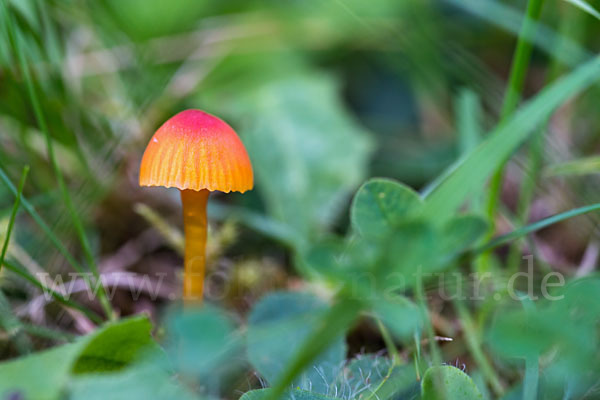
(196, 150)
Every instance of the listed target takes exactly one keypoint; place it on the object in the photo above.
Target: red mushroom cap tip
(196, 150)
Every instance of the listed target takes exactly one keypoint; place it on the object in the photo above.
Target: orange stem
(194, 225)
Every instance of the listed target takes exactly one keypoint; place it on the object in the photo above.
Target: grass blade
(521, 58)
(473, 172)
(517, 233)
(585, 7)
(47, 333)
(512, 97)
(8, 321)
(535, 156)
(11, 221)
(57, 296)
(469, 117)
(582, 166)
(41, 223)
(510, 19)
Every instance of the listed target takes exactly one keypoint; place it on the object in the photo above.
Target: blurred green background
(324, 94)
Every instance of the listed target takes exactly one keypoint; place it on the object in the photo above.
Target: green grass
(41, 120)
(512, 97)
(13, 214)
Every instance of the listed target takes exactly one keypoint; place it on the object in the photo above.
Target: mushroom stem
(194, 225)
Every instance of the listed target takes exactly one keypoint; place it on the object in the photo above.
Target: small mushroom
(196, 153)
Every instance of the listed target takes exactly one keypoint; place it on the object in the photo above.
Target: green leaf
(202, 342)
(48, 369)
(306, 150)
(519, 333)
(380, 205)
(263, 394)
(389, 263)
(141, 382)
(339, 260)
(565, 323)
(326, 259)
(107, 349)
(411, 249)
(400, 383)
(469, 117)
(364, 373)
(331, 326)
(448, 383)
(470, 176)
(374, 377)
(366, 377)
(399, 314)
(115, 347)
(278, 325)
(460, 233)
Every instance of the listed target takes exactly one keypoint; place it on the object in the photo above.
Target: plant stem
(518, 71)
(474, 344)
(433, 347)
(422, 301)
(521, 58)
(195, 227)
(389, 342)
(417, 356)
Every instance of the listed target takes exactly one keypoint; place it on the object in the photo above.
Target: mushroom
(196, 153)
